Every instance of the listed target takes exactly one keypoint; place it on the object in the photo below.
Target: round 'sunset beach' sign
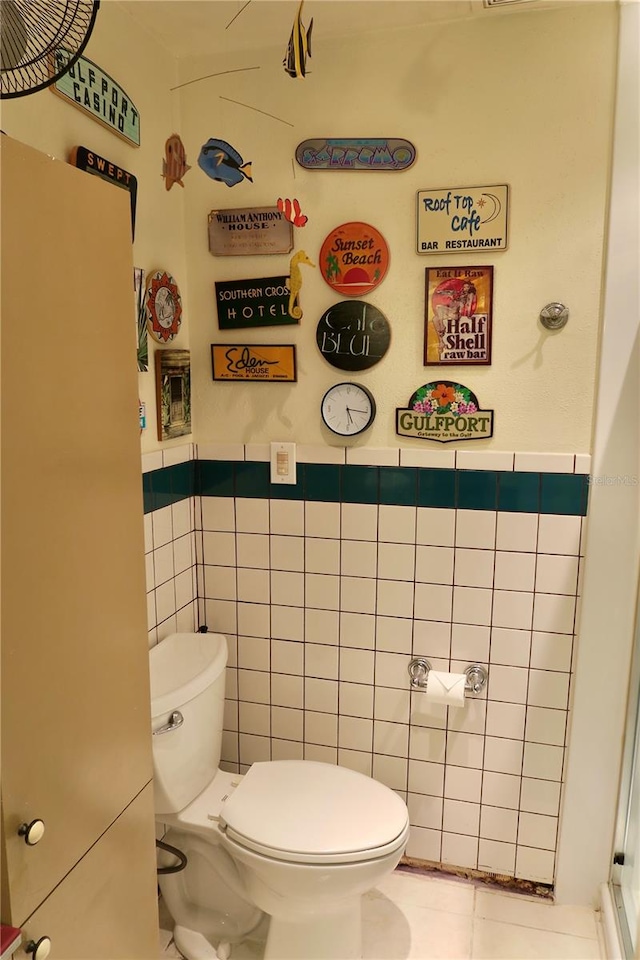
(354, 259)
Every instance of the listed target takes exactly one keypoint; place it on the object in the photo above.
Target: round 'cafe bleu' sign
(353, 335)
(354, 259)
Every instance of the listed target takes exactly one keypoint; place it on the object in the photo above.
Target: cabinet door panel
(107, 908)
(75, 705)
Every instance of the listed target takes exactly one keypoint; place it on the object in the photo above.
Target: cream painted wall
(525, 99)
(146, 72)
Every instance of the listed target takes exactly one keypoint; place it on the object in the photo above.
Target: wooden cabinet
(76, 748)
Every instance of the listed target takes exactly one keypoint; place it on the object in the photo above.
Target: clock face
(348, 409)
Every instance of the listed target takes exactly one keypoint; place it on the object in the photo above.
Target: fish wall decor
(292, 212)
(222, 162)
(174, 165)
(299, 47)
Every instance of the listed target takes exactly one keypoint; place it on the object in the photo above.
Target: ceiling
(193, 27)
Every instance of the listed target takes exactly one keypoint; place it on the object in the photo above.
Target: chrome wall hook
(554, 316)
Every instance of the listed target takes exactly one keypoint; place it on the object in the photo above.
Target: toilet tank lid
(181, 666)
(304, 807)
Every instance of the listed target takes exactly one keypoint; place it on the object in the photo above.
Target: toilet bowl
(298, 840)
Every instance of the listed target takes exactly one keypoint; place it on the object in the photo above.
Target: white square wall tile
(583, 463)
(254, 687)
(540, 796)
(517, 531)
(470, 643)
(358, 558)
(287, 517)
(252, 515)
(392, 771)
(218, 513)
(358, 630)
(434, 564)
(512, 608)
(391, 670)
(548, 689)
(254, 653)
(287, 623)
(322, 519)
(394, 634)
(496, 857)
(322, 555)
(425, 811)
(472, 605)
(473, 568)
(476, 528)
(219, 549)
(503, 756)
(465, 750)
(397, 524)
(391, 705)
(498, 824)
(253, 585)
(546, 725)
(515, 571)
(535, 864)
(432, 638)
(358, 595)
(287, 690)
(321, 693)
(220, 583)
(542, 761)
(551, 651)
(355, 700)
(395, 598)
(287, 589)
(287, 657)
(510, 647)
(321, 729)
(501, 790)
(460, 850)
(462, 783)
(321, 626)
(426, 777)
(505, 719)
(356, 666)
(287, 553)
(553, 613)
(322, 591)
(433, 601)
(460, 817)
(559, 534)
(556, 574)
(435, 527)
(535, 830)
(162, 524)
(253, 619)
(286, 723)
(252, 550)
(508, 684)
(221, 617)
(396, 561)
(359, 521)
(391, 739)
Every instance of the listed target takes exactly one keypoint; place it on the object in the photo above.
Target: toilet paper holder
(475, 673)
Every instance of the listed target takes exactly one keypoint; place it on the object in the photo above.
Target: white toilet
(299, 840)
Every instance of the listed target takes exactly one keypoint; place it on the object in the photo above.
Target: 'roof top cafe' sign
(92, 90)
(459, 219)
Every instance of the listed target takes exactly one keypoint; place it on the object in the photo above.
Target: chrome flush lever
(175, 720)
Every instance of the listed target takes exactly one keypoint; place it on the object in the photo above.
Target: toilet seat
(302, 811)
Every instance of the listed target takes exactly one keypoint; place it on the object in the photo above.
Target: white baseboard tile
(220, 451)
(308, 453)
(484, 460)
(443, 459)
(544, 462)
(374, 456)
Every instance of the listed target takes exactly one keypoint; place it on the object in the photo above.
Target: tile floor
(426, 917)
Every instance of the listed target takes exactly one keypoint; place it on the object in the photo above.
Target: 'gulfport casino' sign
(92, 90)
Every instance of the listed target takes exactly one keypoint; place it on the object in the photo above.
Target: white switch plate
(283, 463)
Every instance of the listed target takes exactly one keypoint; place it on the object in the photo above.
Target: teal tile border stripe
(516, 492)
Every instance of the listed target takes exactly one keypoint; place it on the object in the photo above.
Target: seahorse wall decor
(295, 282)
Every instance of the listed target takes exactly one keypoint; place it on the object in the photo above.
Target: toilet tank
(187, 672)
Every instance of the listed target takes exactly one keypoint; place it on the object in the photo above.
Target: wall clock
(353, 335)
(348, 409)
(164, 307)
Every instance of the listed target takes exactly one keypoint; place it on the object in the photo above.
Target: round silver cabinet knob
(32, 832)
(39, 949)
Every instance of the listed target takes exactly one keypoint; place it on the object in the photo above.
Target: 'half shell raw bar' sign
(444, 411)
(248, 231)
(457, 219)
(253, 303)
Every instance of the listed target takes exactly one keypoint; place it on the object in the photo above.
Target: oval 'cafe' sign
(353, 335)
(354, 259)
(355, 154)
(444, 411)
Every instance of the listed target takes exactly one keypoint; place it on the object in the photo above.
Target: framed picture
(458, 315)
(141, 319)
(173, 393)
